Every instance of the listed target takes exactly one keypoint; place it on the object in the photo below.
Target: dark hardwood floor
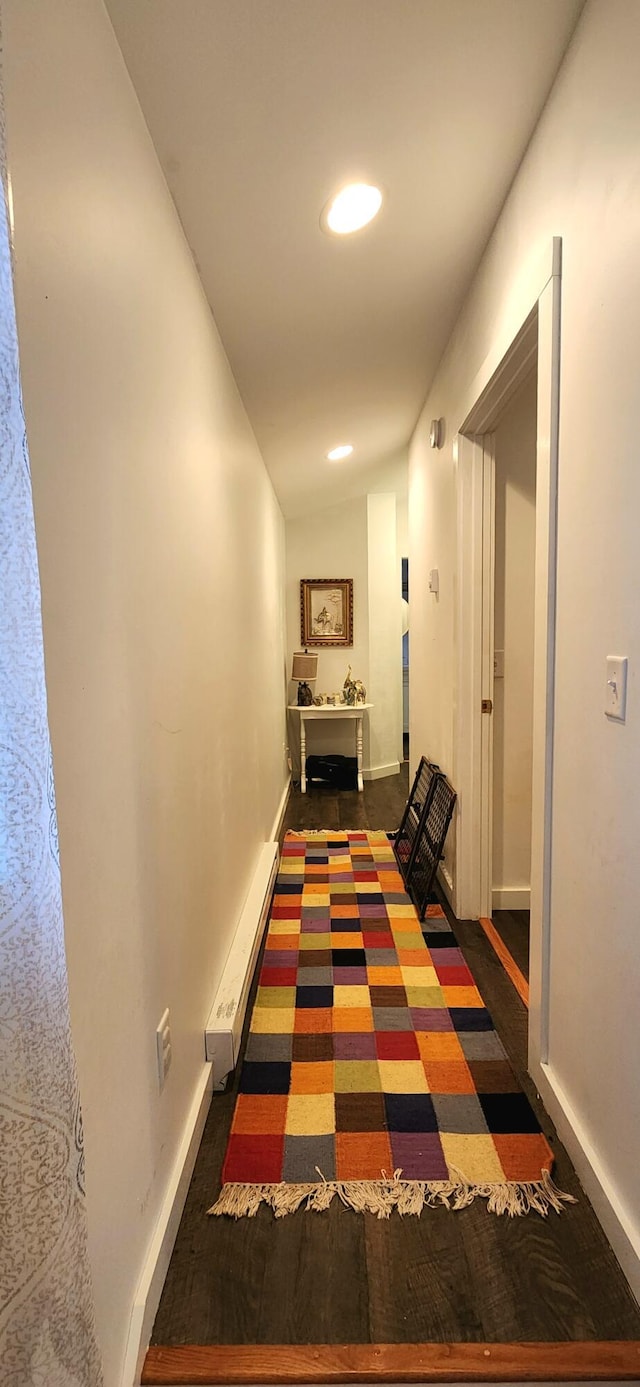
(380, 806)
(513, 928)
(340, 1277)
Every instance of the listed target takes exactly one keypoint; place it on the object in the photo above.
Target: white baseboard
(223, 1030)
(511, 898)
(276, 827)
(618, 1226)
(149, 1290)
(379, 772)
(446, 881)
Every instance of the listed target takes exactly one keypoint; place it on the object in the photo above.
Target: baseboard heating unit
(224, 1027)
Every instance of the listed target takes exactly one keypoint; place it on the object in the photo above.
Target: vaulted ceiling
(259, 111)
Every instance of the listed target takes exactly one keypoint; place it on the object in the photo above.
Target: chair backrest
(416, 808)
(430, 843)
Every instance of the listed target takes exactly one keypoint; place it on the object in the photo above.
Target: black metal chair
(429, 845)
(417, 807)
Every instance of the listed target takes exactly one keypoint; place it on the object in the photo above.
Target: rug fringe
(381, 1197)
(339, 832)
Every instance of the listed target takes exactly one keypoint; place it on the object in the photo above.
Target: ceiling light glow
(352, 208)
(337, 454)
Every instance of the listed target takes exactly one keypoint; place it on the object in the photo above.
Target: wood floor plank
(442, 1362)
(514, 973)
(380, 805)
(320, 808)
(539, 1275)
(513, 928)
(421, 1283)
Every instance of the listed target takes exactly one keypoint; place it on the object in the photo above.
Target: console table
(312, 712)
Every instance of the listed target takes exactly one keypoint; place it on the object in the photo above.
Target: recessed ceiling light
(343, 451)
(351, 208)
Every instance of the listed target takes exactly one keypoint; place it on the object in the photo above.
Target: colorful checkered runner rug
(372, 1070)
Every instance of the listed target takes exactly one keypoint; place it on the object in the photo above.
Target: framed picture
(326, 611)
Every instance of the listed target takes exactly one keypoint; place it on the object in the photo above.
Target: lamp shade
(305, 667)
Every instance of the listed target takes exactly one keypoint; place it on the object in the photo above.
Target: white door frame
(531, 325)
(488, 521)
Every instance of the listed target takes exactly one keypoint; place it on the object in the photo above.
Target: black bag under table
(339, 771)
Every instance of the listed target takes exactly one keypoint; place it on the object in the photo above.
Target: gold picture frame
(326, 611)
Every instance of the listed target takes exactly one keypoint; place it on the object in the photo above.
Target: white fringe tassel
(338, 832)
(381, 1197)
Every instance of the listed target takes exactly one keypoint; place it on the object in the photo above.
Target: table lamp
(305, 670)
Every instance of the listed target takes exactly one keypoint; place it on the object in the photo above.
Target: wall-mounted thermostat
(434, 581)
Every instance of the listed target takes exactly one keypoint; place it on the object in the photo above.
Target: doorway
(527, 339)
(512, 623)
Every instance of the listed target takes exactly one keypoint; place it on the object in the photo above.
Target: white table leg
(359, 750)
(303, 757)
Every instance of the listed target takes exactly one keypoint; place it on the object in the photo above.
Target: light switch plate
(615, 704)
(498, 664)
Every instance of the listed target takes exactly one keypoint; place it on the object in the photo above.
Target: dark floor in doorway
(513, 928)
(339, 1277)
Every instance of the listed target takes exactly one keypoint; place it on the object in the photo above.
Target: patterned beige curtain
(47, 1335)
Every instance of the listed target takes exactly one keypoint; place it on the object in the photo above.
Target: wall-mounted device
(436, 433)
(163, 1047)
(615, 704)
(434, 581)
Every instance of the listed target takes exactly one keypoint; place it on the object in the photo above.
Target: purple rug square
(431, 1019)
(371, 912)
(341, 877)
(449, 958)
(354, 1045)
(350, 977)
(318, 925)
(283, 958)
(418, 1155)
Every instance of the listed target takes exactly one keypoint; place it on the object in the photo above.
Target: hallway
(339, 1277)
(274, 273)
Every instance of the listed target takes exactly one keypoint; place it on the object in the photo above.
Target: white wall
(579, 180)
(515, 538)
(393, 476)
(356, 539)
(161, 551)
(402, 515)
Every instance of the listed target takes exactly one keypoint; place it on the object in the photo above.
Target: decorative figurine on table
(349, 689)
(354, 691)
